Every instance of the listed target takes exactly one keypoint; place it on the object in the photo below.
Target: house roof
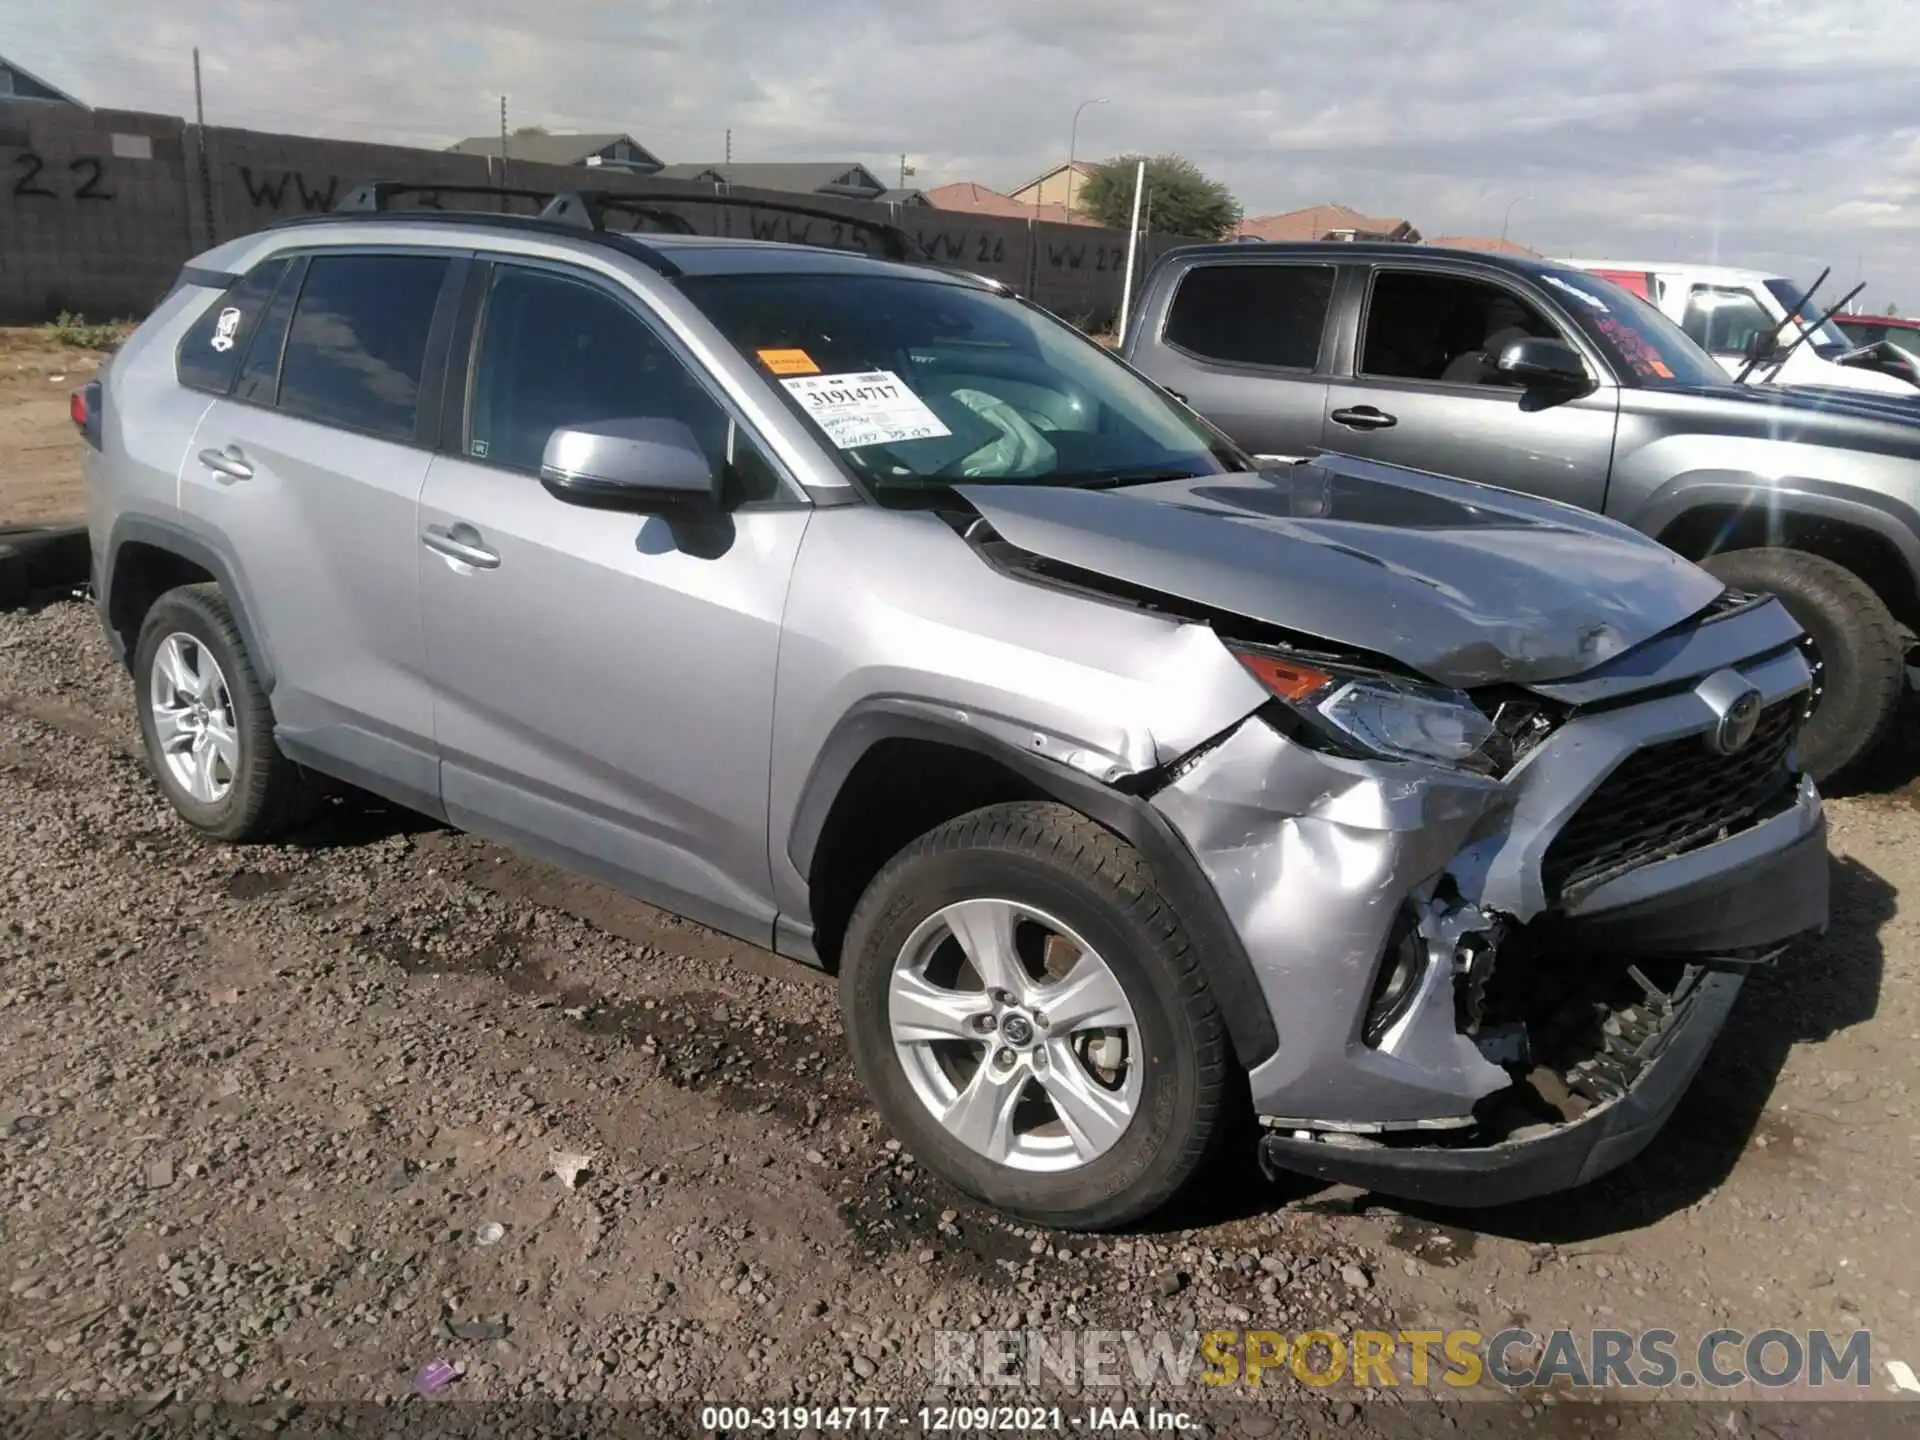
(1083, 168)
(553, 149)
(1491, 244)
(973, 199)
(805, 177)
(53, 90)
(1317, 222)
(903, 197)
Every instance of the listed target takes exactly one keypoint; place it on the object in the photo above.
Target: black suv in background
(1539, 378)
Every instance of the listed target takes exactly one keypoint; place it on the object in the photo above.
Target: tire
(255, 792)
(1857, 645)
(1051, 861)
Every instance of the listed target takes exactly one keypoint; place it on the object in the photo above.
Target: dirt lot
(39, 479)
(287, 1124)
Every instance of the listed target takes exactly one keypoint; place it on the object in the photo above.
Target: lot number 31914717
(872, 408)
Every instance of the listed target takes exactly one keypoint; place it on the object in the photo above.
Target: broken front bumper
(1328, 866)
(1789, 892)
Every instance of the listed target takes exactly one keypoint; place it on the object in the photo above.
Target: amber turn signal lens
(1286, 678)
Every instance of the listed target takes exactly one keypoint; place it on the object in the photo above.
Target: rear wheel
(207, 725)
(1030, 1019)
(1853, 645)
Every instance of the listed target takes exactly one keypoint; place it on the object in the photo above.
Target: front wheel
(1029, 1016)
(1853, 644)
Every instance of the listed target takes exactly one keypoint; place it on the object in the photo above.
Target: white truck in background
(1730, 312)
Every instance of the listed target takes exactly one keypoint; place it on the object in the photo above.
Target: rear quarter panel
(149, 423)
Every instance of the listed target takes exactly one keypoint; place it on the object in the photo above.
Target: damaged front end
(1520, 815)
(1491, 981)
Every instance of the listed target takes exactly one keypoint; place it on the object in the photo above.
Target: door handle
(460, 542)
(1364, 417)
(228, 462)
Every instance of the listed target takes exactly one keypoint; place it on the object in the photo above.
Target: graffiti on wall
(270, 190)
(962, 248)
(37, 178)
(1105, 259)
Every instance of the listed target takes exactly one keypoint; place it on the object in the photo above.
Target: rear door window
(358, 342)
(1256, 314)
(211, 351)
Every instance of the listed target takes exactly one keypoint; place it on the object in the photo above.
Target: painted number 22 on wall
(32, 182)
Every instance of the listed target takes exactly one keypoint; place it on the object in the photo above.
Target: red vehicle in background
(1897, 335)
(1870, 329)
(1634, 282)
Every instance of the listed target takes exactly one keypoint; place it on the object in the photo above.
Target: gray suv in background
(1555, 382)
(868, 613)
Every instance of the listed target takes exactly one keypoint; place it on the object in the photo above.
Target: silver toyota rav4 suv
(864, 611)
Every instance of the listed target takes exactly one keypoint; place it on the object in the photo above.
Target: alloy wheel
(193, 718)
(1016, 1035)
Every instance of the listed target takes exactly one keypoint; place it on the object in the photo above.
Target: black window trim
(1328, 328)
(465, 338)
(1533, 296)
(433, 362)
(293, 281)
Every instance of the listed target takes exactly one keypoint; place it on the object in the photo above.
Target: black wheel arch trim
(1892, 520)
(1223, 959)
(198, 547)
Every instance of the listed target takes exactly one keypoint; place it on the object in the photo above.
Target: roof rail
(587, 209)
(372, 198)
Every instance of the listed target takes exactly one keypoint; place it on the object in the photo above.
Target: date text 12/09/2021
(946, 1419)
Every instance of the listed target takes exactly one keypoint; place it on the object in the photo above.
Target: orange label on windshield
(789, 362)
(1660, 369)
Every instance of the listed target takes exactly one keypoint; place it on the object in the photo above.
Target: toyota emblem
(1736, 705)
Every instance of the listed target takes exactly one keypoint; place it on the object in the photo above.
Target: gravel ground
(286, 1124)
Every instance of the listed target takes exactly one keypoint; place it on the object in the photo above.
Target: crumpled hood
(1463, 583)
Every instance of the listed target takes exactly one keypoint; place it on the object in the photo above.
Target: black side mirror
(1538, 360)
(645, 467)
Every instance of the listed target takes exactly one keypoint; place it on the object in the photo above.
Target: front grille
(1671, 797)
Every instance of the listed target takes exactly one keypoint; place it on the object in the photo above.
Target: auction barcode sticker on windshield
(874, 408)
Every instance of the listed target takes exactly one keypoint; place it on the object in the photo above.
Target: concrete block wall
(104, 207)
(93, 211)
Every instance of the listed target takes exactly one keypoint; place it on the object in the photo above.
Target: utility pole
(1507, 218)
(729, 146)
(503, 151)
(1073, 151)
(200, 131)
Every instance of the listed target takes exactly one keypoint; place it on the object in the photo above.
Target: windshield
(1646, 348)
(1824, 340)
(921, 383)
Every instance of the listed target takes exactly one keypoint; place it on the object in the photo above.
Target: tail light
(84, 407)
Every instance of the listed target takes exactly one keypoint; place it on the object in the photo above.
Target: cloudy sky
(1782, 133)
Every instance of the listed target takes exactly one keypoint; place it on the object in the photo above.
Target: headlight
(1380, 714)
